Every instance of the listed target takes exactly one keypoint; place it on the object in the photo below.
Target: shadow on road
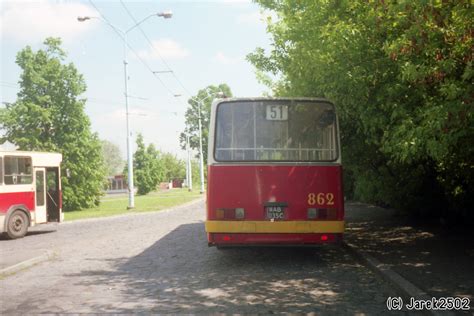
(30, 233)
(436, 259)
(180, 274)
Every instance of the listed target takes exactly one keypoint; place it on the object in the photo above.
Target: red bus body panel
(14, 198)
(251, 186)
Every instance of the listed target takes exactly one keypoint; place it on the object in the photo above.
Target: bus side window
(1, 170)
(18, 170)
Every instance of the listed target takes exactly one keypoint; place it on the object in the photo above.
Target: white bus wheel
(17, 225)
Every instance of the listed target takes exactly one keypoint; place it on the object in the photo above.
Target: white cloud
(34, 21)
(116, 117)
(165, 47)
(227, 60)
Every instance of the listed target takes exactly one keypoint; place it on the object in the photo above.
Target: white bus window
(1, 170)
(18, 170)
(275, 131)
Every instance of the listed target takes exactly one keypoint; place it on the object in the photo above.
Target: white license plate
(275, 212)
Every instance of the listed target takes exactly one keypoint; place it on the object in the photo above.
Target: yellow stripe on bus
(274, 227)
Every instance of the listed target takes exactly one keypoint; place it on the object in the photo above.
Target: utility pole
(201, 159)
(123, 34)
(189, 169)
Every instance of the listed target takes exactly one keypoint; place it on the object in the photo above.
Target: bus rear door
(40, 196)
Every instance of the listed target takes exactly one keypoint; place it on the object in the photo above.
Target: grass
(117, 204)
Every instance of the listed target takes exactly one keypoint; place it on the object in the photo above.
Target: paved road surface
(160, 262)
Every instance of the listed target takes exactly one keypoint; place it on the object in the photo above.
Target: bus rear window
(275, 131)
(18, 170)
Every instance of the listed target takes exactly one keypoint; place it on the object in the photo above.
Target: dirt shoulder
(438, 260)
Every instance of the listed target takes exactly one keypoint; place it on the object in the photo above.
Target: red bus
(30, 190)
(274, 173)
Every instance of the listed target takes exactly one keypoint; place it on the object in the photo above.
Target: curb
(404, 286)
(25, 264)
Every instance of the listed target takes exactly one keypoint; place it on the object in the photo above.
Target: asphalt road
(160, 262)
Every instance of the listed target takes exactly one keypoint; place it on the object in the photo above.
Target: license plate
(275, 212)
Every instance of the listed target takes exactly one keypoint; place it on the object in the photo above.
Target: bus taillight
(220, 213)
(322, 213)
(230, 213)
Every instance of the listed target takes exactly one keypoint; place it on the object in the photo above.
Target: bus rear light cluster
(322, 213)
(230, 213)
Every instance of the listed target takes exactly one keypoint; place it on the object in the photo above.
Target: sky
(204, 43)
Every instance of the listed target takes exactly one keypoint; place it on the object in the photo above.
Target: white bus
(30, 190)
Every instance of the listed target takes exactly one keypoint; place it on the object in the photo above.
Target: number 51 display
(277, 112)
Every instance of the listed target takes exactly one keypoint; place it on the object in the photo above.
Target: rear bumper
(223, 239)
(303, 227)
(271, 233)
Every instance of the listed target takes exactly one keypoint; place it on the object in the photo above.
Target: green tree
(48, 115)
(174, 168)
(401, 76)
(205, 97)
(157, 166)
(112, 158)
(146, 167)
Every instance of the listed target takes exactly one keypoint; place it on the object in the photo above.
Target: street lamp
(189, 173)
(201, 160)
(166, 15)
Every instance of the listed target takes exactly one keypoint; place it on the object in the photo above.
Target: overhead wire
(15, 85)
(90, 99)
(8, 84)
(131, 49)
(154, 48)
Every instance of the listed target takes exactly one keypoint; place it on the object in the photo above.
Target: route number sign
(277, 113)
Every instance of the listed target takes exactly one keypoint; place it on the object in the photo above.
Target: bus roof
(270, 99)
(40, 159)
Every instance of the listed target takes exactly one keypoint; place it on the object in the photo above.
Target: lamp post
(166, 15)
(219, 94)
(201, 159)
(188, 165)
